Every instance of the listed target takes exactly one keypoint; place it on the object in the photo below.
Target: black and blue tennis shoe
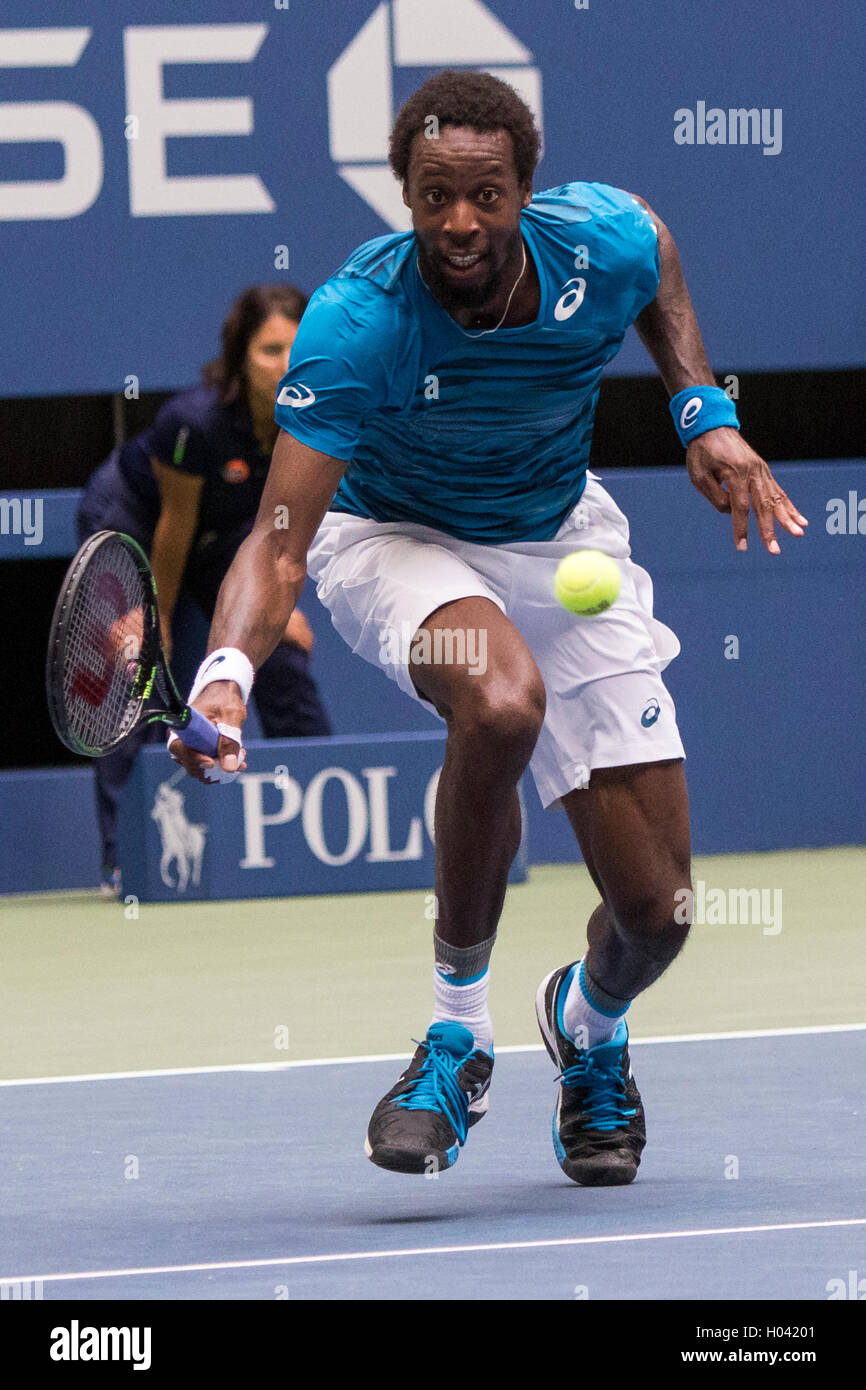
(599, 1130)
(422, 1123)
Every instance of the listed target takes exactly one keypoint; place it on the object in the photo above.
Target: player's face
(268, 355)
(466, 200)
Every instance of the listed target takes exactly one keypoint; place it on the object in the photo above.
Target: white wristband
(225, 664)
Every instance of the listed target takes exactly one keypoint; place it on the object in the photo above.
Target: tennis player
(435, 431)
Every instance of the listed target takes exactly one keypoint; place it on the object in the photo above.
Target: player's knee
(651, 919)
(503, 717)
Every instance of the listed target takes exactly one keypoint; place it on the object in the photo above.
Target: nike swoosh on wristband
(216, 661)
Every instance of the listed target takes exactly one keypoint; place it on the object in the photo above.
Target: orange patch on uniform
(236, 471)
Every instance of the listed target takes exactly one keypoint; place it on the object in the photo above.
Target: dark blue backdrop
(129, 287)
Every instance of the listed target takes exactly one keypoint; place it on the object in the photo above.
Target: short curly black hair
(474, 99)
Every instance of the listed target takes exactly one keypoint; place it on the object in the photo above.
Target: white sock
(466, 1004)
(589, 1015)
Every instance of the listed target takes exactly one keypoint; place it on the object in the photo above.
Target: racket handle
(200, 734)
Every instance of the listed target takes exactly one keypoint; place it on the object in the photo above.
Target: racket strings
(105, 635)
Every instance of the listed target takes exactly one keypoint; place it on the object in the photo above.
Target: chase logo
(411, 34)
(650, 714)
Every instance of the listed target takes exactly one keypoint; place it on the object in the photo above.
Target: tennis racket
(106, 672)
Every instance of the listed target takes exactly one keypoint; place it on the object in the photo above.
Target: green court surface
(87, 988)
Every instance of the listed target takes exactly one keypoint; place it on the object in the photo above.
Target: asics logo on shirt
(296, 396)
(571, 301)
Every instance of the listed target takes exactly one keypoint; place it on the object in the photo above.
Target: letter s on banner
(59, 122)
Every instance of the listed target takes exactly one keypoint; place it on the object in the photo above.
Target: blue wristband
(702, 408)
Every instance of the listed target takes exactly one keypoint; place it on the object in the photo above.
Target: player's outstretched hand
(735, 479)
(221, 703)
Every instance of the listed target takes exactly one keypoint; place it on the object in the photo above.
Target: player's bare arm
(264, 582)
(720, 463)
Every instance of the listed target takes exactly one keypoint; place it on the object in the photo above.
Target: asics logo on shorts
(650, 714)
(296, 396)
(571, 301)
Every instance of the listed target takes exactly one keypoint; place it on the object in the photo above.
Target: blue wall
(134, 280)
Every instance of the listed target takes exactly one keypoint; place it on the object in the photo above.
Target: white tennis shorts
(606, 703)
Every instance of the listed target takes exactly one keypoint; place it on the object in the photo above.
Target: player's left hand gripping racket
(106, 672)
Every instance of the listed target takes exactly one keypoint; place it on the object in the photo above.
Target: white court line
(348, 1255)
(402, 1056)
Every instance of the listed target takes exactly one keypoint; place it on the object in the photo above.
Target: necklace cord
(484, 331)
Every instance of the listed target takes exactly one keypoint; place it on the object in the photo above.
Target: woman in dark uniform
(187, 490)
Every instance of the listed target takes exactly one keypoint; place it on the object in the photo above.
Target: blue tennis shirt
(486, 438)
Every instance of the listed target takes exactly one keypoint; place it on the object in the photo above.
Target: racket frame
(159, 700)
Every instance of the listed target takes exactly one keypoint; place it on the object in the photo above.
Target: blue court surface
(252, 1184)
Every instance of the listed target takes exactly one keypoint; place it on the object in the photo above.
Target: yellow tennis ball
(587, 582)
